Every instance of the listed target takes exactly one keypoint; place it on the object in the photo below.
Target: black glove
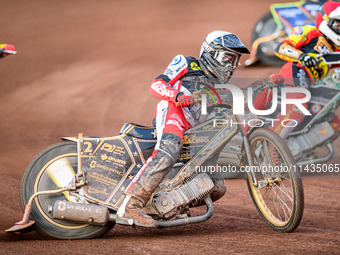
(307, 61)
(1, 52)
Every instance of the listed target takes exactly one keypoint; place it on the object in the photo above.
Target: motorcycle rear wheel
(51, 168)
(280, 201)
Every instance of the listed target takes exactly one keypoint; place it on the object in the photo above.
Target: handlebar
(330, 58)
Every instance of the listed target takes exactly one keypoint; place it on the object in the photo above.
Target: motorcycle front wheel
(51, 169)
(278, 197)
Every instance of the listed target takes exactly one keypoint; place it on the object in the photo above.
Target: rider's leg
(170, 124)
(152, 173)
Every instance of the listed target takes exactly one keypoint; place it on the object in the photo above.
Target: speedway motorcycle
(311, 142)
(74, 189)
(277, 24)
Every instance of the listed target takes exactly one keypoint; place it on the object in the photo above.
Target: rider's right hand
(307, 61)
(182, 100)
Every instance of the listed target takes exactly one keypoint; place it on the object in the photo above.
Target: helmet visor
(335, 25)
(227, 57)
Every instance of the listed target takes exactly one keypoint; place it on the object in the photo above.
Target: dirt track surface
(86, 66)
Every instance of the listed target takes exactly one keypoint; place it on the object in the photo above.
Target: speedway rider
(176, 112)
(300, 49)
(4, 48)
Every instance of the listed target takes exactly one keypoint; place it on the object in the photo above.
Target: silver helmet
(220, 55)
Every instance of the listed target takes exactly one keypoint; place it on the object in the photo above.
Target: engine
(171, 203)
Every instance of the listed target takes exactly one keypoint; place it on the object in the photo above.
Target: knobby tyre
(280, 201)
(50, 169)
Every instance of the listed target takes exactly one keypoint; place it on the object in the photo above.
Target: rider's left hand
(308, 61)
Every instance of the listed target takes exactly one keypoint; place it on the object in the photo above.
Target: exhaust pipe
(83, 213)
(99, 215)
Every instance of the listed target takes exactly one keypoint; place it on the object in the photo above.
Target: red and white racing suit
(169, 118)
(171, 122)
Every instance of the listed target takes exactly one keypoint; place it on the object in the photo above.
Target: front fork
(250, 172)
(247, 160)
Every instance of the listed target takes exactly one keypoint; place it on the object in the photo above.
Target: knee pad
(171, 145)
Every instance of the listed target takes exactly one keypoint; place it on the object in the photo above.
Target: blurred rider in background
(300, 49)
(6, 49)
(177, 112)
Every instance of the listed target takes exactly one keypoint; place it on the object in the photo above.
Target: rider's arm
(161, 87)
(289, 48)
(288, 52)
